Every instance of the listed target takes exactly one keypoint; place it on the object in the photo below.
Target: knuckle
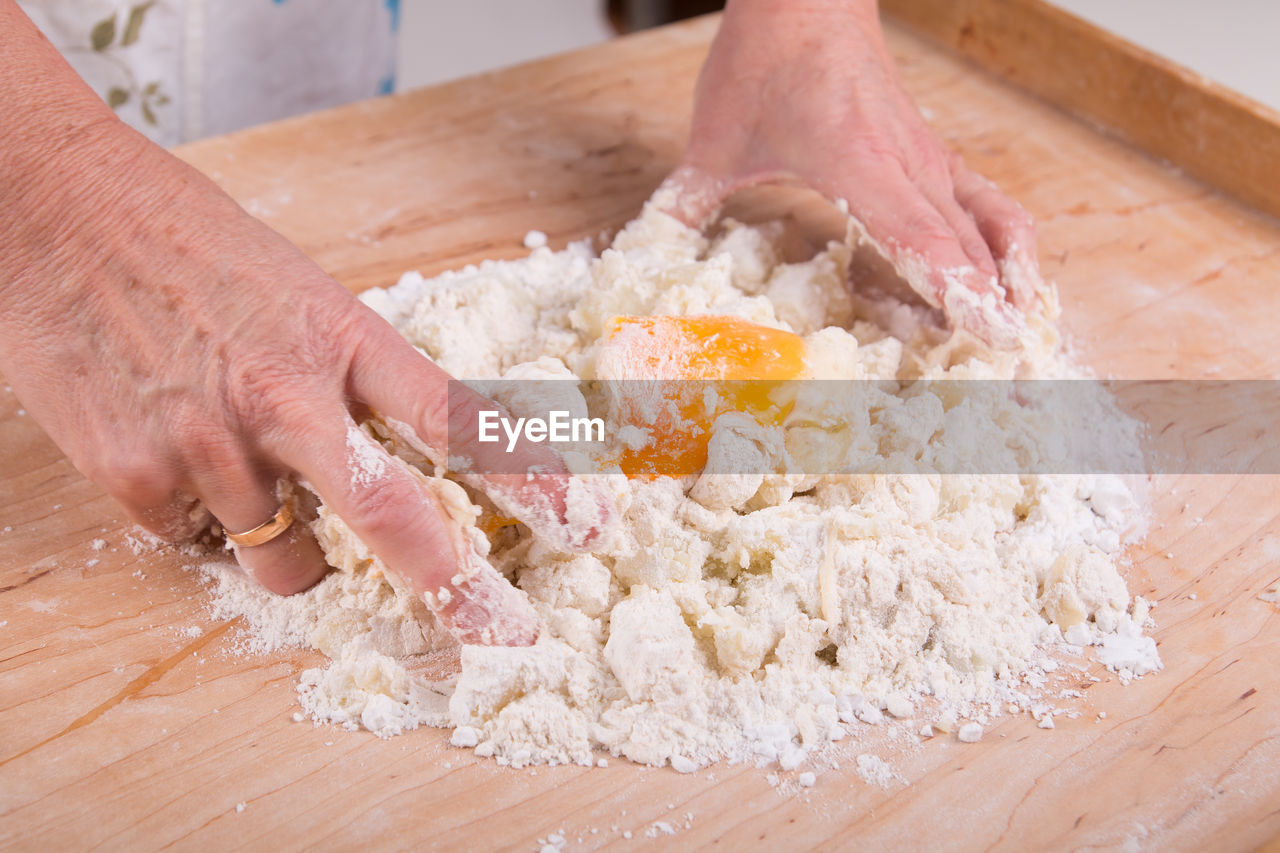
(258, 385)
(134, 480)
(434, 405)
(292, 413)
(206, 448)
(279, 414)
(383, 509)
(314, 357)
(174, 521)
(462, 407)
(205, 445)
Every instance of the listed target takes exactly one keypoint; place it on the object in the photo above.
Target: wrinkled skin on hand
(178, 349)
(181, 353)
(806, 90)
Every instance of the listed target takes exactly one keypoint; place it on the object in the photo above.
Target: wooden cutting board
(126, 720)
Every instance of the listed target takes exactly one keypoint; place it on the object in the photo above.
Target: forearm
(47, 108)
(74, 180)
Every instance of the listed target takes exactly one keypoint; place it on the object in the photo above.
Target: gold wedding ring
(265, 532)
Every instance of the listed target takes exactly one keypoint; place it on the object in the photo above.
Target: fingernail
(483, 609)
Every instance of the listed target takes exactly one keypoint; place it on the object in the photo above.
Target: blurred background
(1229, 41)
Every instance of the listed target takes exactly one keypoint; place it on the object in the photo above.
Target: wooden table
(119, 728)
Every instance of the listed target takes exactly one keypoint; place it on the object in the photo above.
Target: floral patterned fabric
(181, 69)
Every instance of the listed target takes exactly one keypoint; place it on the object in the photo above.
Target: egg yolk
(705, 366)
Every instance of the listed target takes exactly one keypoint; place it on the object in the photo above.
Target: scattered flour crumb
(465, 736)
(141, 541)
(874, 770)
(683, 765)
(970, 733)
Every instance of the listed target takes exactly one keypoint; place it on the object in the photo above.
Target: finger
(402, 519)
(242, 497)
(1005, 226)
(146, 486)
(691, 195)
(926, 251)
(181, 518)
(441, 417)
(940, 192)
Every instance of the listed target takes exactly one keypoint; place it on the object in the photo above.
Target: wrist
(864, 11)
(65, 166)
(774, 34)
(68, 220)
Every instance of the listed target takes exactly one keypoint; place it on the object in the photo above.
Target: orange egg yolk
(707, 365)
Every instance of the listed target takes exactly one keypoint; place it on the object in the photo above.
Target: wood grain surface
(128, 720)
(1211, 131)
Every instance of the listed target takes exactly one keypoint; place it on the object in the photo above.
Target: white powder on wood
(874, 770)
(735, 620)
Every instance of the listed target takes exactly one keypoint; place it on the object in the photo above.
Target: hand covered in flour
(181, 353)
(807, 90)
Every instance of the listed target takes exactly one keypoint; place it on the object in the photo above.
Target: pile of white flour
(752, 617)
